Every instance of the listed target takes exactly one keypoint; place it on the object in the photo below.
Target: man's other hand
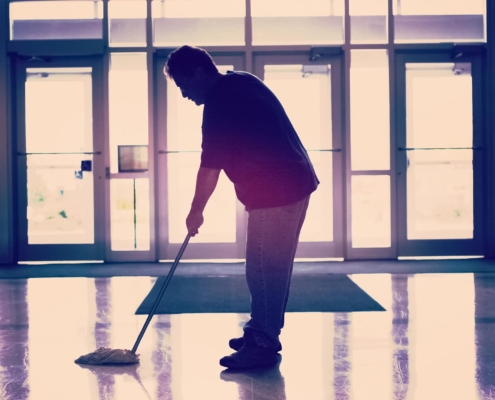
(194, 221)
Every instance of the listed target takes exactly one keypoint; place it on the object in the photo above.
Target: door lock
(86, 165)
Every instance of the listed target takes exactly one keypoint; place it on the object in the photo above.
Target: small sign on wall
(133, 158)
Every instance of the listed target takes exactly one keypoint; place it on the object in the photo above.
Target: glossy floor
(435, 341)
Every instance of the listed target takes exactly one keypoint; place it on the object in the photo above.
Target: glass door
(439, 158)
(178, 127)
(310, 92)
(60, 179)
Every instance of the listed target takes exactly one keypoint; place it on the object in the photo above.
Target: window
(127, 23)
(294, 22)
(368, 21)
(439, 20)
(198, 22)
(370, 114)
(36, 20)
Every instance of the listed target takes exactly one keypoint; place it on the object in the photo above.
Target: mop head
(108, 356)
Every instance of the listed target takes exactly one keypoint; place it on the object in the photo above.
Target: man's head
(193, 71)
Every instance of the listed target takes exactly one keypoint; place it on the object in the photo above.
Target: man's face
(191, 87)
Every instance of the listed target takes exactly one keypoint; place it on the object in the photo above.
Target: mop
(105, 355)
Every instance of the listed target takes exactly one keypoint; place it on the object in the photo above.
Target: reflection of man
(259, 382)
(246, 133)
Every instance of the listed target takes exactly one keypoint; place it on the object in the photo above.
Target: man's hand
(205, 185)
(194, 221)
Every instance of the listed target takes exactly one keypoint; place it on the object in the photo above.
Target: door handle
(324, 150)
(97, 153)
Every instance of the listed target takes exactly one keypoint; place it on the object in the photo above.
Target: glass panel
(438, 7)
(439, 182)
(440, 195)
(130, 214)
(304, 91)
(310, 8)
(128, 96)
(220, 212)
(127, 23)
(370, 110)
(318, 225)
(309, 22)
(371, 224)
(439, 20)
(198, 22)
(34, 20)
(368, 21)
(59, 119)
(184, 121)
(439, 105)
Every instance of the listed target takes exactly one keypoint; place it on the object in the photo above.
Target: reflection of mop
(107, 370)
(108, 356)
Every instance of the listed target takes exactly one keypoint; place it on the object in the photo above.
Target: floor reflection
(257, 383)
(484, 285)
(14, 343)
(435, 341)
(341, 359)
(106, 374)
(103, 324)
(400, 326)
(162, 357)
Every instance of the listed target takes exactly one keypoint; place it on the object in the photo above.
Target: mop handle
(162, 291)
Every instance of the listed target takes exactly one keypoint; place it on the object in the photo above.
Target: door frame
(60, 252)
(439, 247)
(196, 251)
(336, 248)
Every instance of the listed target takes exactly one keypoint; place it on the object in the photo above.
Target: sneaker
(237, 344)
(250, 357)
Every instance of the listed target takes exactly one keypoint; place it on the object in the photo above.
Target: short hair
(184, 61)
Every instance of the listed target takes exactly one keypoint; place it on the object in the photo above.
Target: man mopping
(247, 133)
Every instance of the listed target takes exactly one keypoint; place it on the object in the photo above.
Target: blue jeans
(272, 238)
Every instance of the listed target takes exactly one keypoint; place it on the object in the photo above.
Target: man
(247, 133)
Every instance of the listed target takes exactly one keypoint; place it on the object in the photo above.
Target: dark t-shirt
(247, 133)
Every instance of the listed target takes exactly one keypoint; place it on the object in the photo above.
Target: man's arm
(206, 181)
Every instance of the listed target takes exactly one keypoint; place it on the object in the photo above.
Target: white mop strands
(108, 356)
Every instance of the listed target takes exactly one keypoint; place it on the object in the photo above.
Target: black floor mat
(230, 294)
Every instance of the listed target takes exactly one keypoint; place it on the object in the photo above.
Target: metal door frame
(196, 251)
(439, 247)
(334, 249)
(61, 252)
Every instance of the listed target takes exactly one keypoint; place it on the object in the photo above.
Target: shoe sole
(237, 348)
(248, 366)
